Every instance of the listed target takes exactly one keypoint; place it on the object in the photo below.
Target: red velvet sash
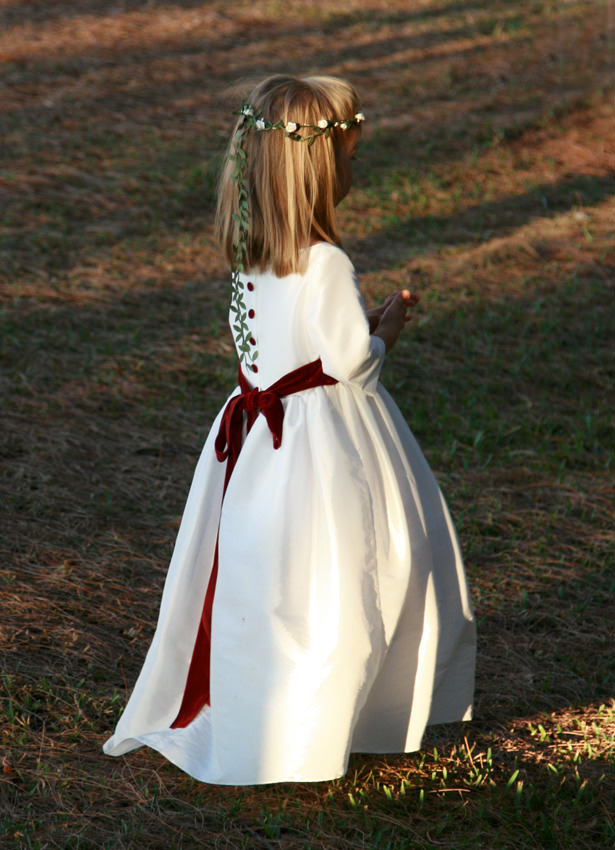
(228, 445)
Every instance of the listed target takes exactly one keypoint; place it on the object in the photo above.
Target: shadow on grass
(485, 220)
(381, 251)
(88, 546)
(152, 186)
(255, 37)
(14, 13)
(506, 399)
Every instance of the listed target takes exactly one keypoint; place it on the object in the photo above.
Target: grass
(485, 180)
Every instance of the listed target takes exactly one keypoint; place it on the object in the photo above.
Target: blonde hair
(292, 186)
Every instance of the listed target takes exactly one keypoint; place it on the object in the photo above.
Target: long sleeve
(337, 324)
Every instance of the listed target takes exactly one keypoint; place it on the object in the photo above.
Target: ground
(485, 181)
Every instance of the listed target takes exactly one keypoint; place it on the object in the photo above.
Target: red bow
(269, 403)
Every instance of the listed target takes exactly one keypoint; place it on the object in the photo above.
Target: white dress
(341, 618)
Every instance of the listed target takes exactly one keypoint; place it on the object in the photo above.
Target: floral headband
(323, 127)
(252, 120)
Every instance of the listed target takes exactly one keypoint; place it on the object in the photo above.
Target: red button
(251, 313)
(252, 341)
(254, 367)
(250, 286)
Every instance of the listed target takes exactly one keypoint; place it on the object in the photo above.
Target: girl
(316, 602)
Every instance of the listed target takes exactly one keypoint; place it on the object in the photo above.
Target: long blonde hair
(292, 186)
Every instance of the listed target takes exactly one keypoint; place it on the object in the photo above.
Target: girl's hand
(394, 316)
(375, 315)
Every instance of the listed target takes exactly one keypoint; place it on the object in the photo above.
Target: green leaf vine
(247, 353)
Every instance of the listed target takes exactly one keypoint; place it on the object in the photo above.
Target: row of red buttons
(251, 316)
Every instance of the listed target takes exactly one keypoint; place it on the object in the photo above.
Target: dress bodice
(285, 322)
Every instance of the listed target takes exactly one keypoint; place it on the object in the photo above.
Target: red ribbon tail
(273, 411)
(196, 691)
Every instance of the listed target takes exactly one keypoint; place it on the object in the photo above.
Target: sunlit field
(485, 182)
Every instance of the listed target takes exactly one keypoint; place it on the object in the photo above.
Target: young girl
(316, 602)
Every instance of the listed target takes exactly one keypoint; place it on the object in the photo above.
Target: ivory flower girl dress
(341, 620)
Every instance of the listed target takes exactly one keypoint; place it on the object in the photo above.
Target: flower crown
(238, 156)
(291, 129)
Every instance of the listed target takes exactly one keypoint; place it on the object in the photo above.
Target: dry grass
(487, 179)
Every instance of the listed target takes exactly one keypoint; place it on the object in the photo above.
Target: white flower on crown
(359, 117)
(260, 124)
(323, 123)
(247, 110)
(291, 127)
